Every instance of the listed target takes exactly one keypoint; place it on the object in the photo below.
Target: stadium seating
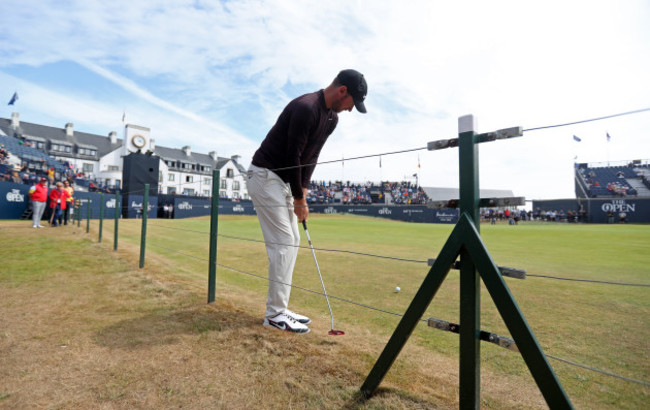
(30, 154)
(608, 181)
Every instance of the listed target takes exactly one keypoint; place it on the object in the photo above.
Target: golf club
(332, 331)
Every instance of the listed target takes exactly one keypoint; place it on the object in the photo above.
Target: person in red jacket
(38, 195)
(58, 202)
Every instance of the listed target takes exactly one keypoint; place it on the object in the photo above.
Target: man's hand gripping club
(300, 207)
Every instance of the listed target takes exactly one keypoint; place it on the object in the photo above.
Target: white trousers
(274, 206)
(37, 212)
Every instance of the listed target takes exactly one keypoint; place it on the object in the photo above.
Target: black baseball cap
(357, 87)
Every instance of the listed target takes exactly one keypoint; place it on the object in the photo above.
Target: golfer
(279, 176)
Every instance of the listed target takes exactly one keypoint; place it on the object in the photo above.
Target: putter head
(336, 332)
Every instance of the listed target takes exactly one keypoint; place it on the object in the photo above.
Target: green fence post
(117, 218)
(214, 228)
(101, 216)
(470, 284)
(143, 231)
(88, 202)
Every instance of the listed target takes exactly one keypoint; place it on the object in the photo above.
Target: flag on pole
(380, 161)
(608, 137)
(14, 98)
(123, 116)
(576, 138)
(342, 161)
(418, 160)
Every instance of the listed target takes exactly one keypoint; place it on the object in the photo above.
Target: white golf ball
(397, 289)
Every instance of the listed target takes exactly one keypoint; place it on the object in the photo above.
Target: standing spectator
(66, 213)
(50, 175)
(38, 195)
(58, 203)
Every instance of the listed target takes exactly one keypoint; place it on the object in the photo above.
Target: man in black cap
(279, 176)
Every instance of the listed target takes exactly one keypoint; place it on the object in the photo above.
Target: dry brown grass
(97, 332)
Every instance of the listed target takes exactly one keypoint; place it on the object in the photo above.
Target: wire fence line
(588, 120)
(316, 292)
(603, 282)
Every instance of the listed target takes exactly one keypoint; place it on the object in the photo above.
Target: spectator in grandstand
(66, 213)
(50, 175)
(292, 147)
(4, 155)
(58, 204)
(38, 195)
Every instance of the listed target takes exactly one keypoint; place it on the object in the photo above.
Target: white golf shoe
(300, 318)
(282, 321)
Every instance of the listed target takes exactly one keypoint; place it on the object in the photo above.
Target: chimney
(15, 122)
(187, 150)
(213, 155)
(69, 131)
(113, 137)
(236, 158)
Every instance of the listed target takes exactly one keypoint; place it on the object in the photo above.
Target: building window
(188, 191)
(235, 185)
(68, 149)
(93, 152)
(87, 168)
(223, 184)
(230, 173)
(170, 177)
(222, 194)
(171, 190)
(235, 195)
(206, 192)
(160, 176)
(189, 178)
(113, 168)
(55, 147)
(206, 181)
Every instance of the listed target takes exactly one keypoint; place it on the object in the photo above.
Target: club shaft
(313, 253)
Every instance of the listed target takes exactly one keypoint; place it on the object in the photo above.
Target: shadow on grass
(160, 328)
(388, 398)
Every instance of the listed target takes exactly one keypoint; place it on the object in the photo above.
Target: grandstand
(35, 159)
(626, 179)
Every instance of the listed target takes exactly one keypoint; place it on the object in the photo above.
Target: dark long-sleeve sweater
(297, 139)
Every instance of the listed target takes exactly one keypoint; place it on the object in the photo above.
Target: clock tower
(136, 138)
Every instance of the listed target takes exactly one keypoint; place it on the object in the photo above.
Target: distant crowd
(350, 193)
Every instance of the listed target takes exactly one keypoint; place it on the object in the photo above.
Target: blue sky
(215, 75)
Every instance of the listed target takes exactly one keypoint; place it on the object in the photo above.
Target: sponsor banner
(13, 200)
(132, 206)
(94, 200)
(602, 210)
(190, 207)
(186, 207)
(236, 208)
(401, 213)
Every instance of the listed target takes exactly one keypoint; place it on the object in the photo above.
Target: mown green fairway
(604, 326)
